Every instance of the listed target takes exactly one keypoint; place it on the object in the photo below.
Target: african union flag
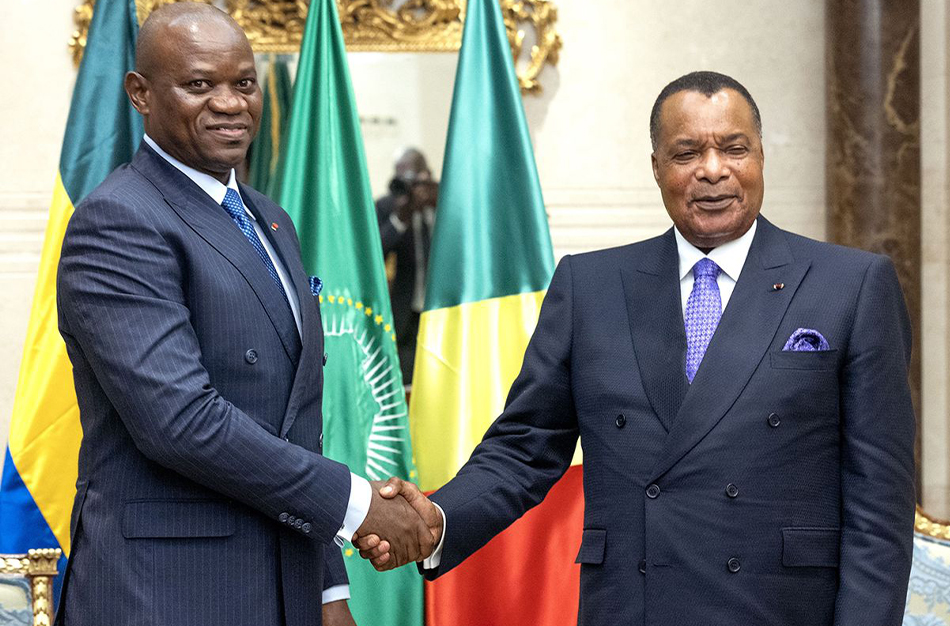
(325, 187)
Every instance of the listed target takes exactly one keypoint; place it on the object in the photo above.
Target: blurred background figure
(406, 219)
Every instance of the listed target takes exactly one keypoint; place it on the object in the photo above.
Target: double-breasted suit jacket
(777, 488)
(203, 497)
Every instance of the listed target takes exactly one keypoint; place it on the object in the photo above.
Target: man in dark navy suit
(197, 351)
(741, 396)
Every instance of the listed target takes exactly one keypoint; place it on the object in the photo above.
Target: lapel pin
(778, 286)
(273, 226)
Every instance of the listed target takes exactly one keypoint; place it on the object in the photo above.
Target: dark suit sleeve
(121, 299)
(388, 234)
(877, 457)
(334, 570)
(528, 448)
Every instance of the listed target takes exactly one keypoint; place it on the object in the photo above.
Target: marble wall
(590, 133)
(935, 256)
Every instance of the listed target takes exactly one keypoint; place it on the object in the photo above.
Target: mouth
(229, 131)
(714, 203)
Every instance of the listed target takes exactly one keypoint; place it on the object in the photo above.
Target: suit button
(283, 517)
(298, 524)
(731, 490)
(621, 421)
(643, 566)
(291, 520)
(653, 491)
(774, 420)
(324, 358)
(251, 356)
(733, 565)
(306, 528)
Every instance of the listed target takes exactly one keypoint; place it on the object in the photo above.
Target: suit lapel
(742, 339)
(289, 253)
(655, 315)
(214, 225)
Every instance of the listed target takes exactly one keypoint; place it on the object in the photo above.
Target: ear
(656, 167)
(136, 86)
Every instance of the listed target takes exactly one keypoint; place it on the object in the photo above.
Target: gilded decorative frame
(40, 567)
(375, 25)
(926, 525)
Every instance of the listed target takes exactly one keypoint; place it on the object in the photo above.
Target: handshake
(402, 525)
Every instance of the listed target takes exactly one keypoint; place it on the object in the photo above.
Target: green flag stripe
(262, 168)
(103, 130)
(491, 235)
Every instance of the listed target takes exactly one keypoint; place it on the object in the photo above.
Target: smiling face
(200, 98)
(708, 164)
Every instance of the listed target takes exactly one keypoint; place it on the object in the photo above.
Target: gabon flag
(102, 132)
(490, 264)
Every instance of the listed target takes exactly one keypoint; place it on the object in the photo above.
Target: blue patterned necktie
(703, 310)
(235, 208)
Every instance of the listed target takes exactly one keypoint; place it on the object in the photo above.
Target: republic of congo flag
(490, 264)
(264, 153)
(39, 471)
(324, 186)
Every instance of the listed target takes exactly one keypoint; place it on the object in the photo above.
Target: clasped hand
(402, 525)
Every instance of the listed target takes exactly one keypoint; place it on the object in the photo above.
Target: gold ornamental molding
(932, 527)
(39, 567)
(379, 25)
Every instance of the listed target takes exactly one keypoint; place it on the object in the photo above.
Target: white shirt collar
(730, 257)
(209, 184)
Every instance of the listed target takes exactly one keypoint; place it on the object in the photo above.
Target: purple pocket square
(316, 285)
(806, 340)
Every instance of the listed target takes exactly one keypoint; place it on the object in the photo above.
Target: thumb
(421, 504)
(391, 488)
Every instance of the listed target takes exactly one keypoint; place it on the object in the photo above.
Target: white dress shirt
(360, 491)
(730, 257)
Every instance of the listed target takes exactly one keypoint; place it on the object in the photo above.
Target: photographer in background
(406, 219)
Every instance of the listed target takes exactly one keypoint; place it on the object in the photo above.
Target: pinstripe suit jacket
(203, 497)
(776, 489)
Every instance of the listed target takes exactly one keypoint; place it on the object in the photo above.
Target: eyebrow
(734, 137)
(689, 143)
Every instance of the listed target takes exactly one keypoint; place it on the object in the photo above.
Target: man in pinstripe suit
(197, 351)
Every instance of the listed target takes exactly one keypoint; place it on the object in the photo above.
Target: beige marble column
(873, 146)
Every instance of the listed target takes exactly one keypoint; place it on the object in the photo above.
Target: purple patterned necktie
(703, 310)
(235, 208)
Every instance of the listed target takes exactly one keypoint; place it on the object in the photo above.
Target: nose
(228, 101)
(712, 167)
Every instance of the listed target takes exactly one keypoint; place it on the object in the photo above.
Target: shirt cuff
(398, 224)
(436, 557)
(335, 593)
(361, 494)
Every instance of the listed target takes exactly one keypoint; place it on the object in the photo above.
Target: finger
(380, 563)
(374, 553)
(391, 488)
(367, 542)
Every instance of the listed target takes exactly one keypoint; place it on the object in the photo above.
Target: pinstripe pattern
(190, 373)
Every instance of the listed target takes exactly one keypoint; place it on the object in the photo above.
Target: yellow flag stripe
(467, 357)
(44, 430)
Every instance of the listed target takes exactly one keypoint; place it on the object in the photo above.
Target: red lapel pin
(778, 286)
(273, 226)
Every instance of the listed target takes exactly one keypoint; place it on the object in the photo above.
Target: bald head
(196, 87)
(180, 18)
